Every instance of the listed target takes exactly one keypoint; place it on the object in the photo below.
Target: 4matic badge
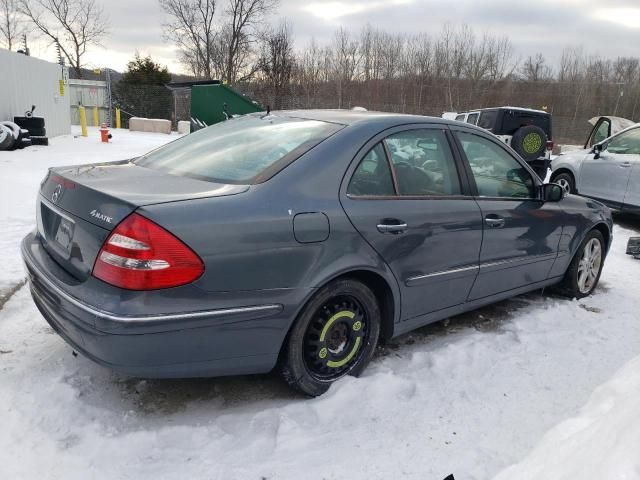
(101, 216)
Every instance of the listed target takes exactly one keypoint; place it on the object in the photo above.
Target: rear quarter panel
(247, 241)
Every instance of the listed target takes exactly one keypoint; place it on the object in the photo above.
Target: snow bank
(602, 442)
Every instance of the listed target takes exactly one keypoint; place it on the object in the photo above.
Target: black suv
(527, 131)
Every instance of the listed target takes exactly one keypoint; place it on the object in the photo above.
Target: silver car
(607, 170)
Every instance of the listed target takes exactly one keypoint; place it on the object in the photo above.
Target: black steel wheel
(335, 335)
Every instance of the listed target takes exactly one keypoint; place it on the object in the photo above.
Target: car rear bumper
(225, 341)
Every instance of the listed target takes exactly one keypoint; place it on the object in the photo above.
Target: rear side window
(372, 177)
(460, 118)
(473, 118)
(487, 119)
(244, 150)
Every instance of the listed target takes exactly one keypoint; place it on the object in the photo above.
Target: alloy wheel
(564, 183)
(589, 265)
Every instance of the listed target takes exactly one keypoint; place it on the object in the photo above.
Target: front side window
(627, 143)
(460, 118)
(372, 177)
(423, 163)
(244, 150)
(496, 173)
(473, 118)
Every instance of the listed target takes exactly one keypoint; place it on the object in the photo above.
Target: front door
(521, 233)
(608, 177)
(406, 199)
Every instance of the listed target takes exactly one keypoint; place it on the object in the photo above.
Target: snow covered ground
(470, 396)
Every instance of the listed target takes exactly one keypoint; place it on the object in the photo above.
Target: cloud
(609, 29)
(334, 10)
(629, 17)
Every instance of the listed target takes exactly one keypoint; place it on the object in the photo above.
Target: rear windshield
(244, 150)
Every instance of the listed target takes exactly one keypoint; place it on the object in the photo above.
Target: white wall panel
(26, 81)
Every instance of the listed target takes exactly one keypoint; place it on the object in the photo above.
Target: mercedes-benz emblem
(57, 193)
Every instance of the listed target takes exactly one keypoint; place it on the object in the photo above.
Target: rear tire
(335, 335)
(566, 181)
(584, 271)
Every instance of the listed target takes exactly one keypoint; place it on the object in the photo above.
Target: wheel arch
(603, 228)
(382, 288)
(561, 170)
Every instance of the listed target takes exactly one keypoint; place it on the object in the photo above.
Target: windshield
(244, 150)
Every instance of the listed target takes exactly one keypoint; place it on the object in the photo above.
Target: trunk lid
(78, 206)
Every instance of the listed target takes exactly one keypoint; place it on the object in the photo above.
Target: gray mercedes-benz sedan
(297, 240)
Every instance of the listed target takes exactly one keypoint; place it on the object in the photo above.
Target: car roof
(518, 109)
(351, 117)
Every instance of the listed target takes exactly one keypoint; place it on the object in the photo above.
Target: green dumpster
(208, 101)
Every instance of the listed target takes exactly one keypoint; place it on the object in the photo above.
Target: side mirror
(597, 150)
(552, 192)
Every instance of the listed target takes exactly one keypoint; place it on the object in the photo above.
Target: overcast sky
(609, 28)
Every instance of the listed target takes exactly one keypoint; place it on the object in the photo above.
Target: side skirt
(422, 320)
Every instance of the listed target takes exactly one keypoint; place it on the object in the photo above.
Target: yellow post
(117, 118)
(96, 118)
(83, 120)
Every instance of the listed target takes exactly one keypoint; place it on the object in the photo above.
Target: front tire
(335, 335)
(584, 271)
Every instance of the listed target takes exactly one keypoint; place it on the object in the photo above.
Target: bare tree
(10, 25)
(277, 61)
(245, 19)
(535, 69)
(191, 27)
(73, 24)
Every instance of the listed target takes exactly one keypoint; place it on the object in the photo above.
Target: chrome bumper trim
(263, 310)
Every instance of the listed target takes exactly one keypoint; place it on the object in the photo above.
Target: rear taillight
(141, 255)
(549, 145)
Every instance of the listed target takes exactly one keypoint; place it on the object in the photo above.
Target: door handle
(394, 228)
(494, 221)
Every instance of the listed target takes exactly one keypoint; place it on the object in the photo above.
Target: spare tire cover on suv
(529, 141)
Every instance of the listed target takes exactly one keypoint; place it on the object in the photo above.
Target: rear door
(607, 177)
(406, 196)
(521, 233)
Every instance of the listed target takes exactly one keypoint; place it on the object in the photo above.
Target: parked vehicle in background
(298, 240)
(527, 131)
(605, 127)
(608, 169)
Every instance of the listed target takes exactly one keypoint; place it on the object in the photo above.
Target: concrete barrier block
(184, 126)
(155, 125)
